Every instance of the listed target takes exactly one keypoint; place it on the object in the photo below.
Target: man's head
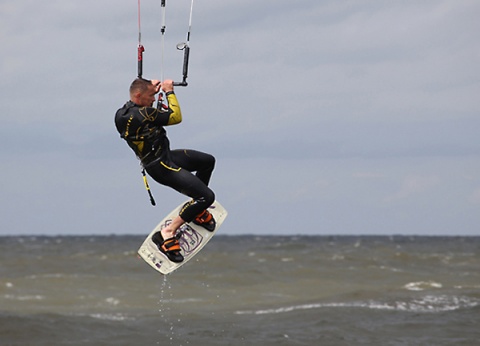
(142, 91)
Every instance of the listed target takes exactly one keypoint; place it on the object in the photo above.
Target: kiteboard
(193, 239)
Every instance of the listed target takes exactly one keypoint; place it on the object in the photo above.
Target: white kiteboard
(193, 239)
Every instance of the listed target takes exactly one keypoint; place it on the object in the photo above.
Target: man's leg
(188, 184)
(195, 161)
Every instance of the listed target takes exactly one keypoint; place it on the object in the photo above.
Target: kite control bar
(181, 46)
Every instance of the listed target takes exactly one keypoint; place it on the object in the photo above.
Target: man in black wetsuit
(142, 126)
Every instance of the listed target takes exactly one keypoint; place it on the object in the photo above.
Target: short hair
(140, 85)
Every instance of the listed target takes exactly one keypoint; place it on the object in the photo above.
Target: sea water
(242, 290)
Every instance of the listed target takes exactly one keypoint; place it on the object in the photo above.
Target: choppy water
(242, 290)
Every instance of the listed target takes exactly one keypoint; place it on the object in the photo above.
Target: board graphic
(193, 239)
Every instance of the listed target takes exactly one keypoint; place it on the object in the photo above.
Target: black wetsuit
(143, 129)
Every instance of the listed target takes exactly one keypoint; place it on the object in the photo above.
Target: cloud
(350, 115)
(414, 185)
(475, 196)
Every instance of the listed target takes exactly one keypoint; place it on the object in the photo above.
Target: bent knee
(211, 161)
(210, 197)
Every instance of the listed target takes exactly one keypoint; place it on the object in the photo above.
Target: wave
(426, 304)
(23, 297)
(422, 285)
(111, 317)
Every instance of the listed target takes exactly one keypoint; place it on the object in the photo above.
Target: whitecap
(288, 309)
(24, 298)
(429, 303)
(112, 301)
(111, 317)
(287, 259)
(422, 285)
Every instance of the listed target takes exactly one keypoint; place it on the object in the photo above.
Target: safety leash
(152, 200)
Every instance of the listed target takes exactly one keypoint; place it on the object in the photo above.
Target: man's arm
(174, 107)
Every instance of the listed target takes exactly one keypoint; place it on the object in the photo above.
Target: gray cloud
(351, 116)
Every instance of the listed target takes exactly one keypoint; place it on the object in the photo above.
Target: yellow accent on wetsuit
(170, 168)
(176, 115)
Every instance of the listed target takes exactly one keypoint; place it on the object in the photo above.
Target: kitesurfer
(141, 125)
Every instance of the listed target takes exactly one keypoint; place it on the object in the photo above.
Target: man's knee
(210, 197)
(211, 161)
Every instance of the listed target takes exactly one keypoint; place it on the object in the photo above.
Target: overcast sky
(326, 117)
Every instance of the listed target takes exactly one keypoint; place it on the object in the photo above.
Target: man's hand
(156, 84)
(167, 85)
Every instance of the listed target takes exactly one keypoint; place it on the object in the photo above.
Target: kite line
(185, 46)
